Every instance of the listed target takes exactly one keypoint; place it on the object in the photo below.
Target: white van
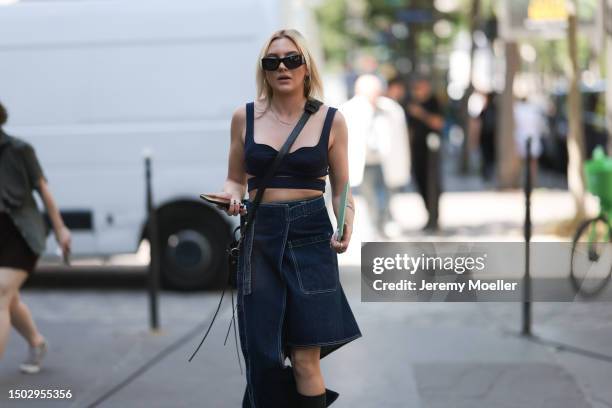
(93, 84)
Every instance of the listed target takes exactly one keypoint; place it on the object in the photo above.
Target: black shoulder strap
(312, 106)
(250, 113)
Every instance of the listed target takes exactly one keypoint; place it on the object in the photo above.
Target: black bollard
(526, 330)
(152, 232)
(433, 178)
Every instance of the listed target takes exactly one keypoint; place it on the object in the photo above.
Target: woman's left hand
(342, 246)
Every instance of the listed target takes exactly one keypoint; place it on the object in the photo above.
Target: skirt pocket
(315, 263)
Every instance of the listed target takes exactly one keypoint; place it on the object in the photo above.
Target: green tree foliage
(342, 33)
(331, 18)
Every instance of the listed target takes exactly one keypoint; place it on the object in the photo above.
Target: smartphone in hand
(218, 201)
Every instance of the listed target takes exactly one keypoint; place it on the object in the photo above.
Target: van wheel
(192, 247)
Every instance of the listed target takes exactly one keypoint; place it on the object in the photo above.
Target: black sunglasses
(290, 61)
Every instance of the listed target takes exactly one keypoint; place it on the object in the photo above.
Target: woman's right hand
(234, 208)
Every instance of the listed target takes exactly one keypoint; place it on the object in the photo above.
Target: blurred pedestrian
(22, 239)
(426, 122)
(378, 148)
(488, 120)
(529, 122)
(290, 299)
(396, 90)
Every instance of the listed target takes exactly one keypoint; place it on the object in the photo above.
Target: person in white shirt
(379, 153)
(528, 122)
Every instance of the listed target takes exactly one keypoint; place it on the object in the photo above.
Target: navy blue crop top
(299, 169)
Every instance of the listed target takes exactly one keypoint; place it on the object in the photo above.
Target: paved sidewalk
(417, 355)
(413, 355)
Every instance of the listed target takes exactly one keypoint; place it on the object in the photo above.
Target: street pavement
(417, 355)
(411, 355)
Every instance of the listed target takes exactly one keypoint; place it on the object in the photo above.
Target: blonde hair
(313, 86)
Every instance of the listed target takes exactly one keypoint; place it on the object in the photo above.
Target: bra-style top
(299, 169)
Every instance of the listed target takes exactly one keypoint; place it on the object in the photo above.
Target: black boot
(316, 401)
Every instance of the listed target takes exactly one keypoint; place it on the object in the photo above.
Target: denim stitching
(305, 210)
(295, 265)
(280, 328)
(326, 343)
(280, 268)
(297, 270)
(285, 236)
(249, 251)
(310, 240)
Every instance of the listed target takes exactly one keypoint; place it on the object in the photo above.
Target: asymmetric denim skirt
(289, 295)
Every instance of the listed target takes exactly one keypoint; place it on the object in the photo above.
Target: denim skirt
(289, 295)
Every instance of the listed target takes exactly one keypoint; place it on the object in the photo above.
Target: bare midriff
(285, 194)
